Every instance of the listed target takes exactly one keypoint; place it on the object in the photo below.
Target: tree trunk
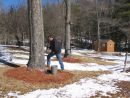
(98, 25)
(125, 61)
(36, 57)
(67, 28)
(98, 37)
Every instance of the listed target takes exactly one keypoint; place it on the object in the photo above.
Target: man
(55, 48)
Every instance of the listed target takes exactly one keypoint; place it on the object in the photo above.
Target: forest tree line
(111, 18)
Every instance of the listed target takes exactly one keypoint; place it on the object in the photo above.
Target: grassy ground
(95, 60)
(9, 84)
(91, 60)
(123, 93)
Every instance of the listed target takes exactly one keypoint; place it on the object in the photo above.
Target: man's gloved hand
(48, 51)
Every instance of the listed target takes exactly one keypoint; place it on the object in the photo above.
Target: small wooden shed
(106, 45)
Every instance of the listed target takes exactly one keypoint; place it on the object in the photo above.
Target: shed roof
(105, 40)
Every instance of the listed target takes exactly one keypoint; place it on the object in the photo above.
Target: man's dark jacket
(55, 46)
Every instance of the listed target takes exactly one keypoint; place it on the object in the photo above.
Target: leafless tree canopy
(84, 21)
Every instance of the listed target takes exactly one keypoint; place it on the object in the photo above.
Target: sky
(8, 3)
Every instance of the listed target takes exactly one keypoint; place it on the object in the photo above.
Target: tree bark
(36, 57)
(98, 25)
(67, 28)
(125, 62)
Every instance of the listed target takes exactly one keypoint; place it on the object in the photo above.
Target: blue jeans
(58, 55)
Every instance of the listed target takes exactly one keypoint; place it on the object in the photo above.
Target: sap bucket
(54, 69)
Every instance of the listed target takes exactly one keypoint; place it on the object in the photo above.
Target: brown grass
(10, 84)
(92, 60)
(82, 59)
(125, 88)
(123, 93)
(35, 76)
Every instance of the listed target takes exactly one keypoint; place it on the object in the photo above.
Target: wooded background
(90, 21)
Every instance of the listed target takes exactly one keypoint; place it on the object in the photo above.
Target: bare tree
(36, 58)
(53, 19)
(67, 27)
(98, 25)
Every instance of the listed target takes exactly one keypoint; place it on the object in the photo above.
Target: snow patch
(4, 55)
(84, 88)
